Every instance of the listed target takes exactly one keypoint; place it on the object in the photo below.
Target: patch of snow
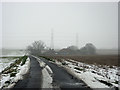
(46, 73)
(5, 62)
(21, 71)
(58, 63)
(11, 85)
(89, 79)
(42, 64)
(3, 79)
(49, 69)
(47, 79)
(91, 74)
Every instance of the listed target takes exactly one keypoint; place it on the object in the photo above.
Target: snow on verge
(12, 80)
(23, 70)
(92, 75)
(5, 62)
(47, 79)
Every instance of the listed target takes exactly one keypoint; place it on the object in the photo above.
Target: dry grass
(92, 59)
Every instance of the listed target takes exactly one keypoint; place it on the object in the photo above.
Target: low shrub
(13, 74)
(24, 58)
(80, 69)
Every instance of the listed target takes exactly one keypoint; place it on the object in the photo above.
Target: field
(6, 61)
(110, 60)
(97, 71)
(12, 69)
(11, 52)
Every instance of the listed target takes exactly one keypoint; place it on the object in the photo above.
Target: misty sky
(23, 23)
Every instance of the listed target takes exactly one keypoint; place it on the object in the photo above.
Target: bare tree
(36, 48)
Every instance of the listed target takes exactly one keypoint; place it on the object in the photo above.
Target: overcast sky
(23, 23)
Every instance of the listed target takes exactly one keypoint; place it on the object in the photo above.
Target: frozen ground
(5, 62)
(95, 76)
(8, 82)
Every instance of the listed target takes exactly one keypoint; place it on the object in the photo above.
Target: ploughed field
(111, 60)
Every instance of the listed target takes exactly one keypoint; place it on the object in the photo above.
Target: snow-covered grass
(8, 80)
(8, 56)
(5, 62)
(22, 70)
(95, 76)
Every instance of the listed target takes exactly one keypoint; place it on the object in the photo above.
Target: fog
(23, 23)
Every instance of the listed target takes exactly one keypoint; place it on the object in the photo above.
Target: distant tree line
(39, 48)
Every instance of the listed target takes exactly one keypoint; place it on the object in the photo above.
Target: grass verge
(12, 69)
